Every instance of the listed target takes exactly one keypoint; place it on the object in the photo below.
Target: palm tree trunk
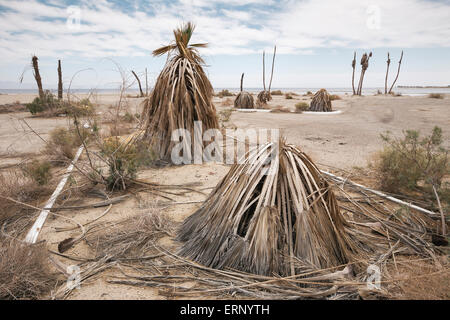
(387, 72)
(398, 71)
(139, 82)
(353, 74)
(242, 81)
(60, 85)
(273, 62)
(264, 71)
(37, 76)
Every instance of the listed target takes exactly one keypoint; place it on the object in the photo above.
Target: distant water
(339, 91)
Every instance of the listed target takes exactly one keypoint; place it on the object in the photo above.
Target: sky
(100, 42)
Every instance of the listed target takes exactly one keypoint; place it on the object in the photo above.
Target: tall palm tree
(182, 93)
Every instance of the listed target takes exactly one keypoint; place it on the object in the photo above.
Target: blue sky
(315, 40)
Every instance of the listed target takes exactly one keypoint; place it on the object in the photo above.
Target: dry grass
(227, 102)
(132, 237)
(276, 92)
(224, 93)
(334, 97)
(24, 271)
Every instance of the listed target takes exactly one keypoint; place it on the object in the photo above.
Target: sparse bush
(276, 93)
(128, 117)
(334, 97)
(224, 93)
(39, 171)
(301, 106)
(436, 96)
(308, 93)
(406, 163)
(227, 102)
(24, 271)
(225, 115)
(288, 96)
(123, 159)
(280, 109)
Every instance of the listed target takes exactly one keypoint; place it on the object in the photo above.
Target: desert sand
(345, 141)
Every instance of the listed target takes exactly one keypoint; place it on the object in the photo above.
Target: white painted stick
(381, 194)
(37, 226)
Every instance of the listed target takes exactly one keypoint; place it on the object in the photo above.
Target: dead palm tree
(244, 99)
(269, 217)
(265, 96)
(182, 94)
(321, 102)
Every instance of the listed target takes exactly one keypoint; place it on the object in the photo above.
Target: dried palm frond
(264, 96)
(244, 99)
(321, 102)
(260, 221)
(182, 94)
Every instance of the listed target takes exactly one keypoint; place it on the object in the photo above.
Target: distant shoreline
(424, 87)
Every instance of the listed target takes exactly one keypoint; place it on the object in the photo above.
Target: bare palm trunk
(264, 71)
(353, 74)
(139, 82)
(37, 76)
(398, 71)
(60, 85)
(273, 62)
(387, 72)
(242, 82)
(146, 83)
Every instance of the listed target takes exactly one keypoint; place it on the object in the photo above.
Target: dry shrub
(224, 93)
(24, 271)
(12, 107)
(124, 159)
(225, 115)
(226, 102)
(288, 96)
(334, 97)
(301, 106)
(132, 237)
(38, 171)
(276, 93)
(436, 96)
(63, 143)
(280, 109)
(406, 163)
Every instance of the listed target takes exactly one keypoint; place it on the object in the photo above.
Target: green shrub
(406, 163)
(301, 106)
(39, 105)
(38, 171)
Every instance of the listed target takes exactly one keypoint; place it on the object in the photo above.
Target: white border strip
(37, 226)
(378, 193)
(321, 112)
(253, 110)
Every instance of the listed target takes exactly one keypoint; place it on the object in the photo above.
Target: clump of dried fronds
(244, 99)
(182, 94)
(265, 96)
(24, 271)
(265, 214)
(321, 102)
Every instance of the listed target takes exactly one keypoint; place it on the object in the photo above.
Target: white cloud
(295, 26)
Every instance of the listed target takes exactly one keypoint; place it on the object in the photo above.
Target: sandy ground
(344, 140)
